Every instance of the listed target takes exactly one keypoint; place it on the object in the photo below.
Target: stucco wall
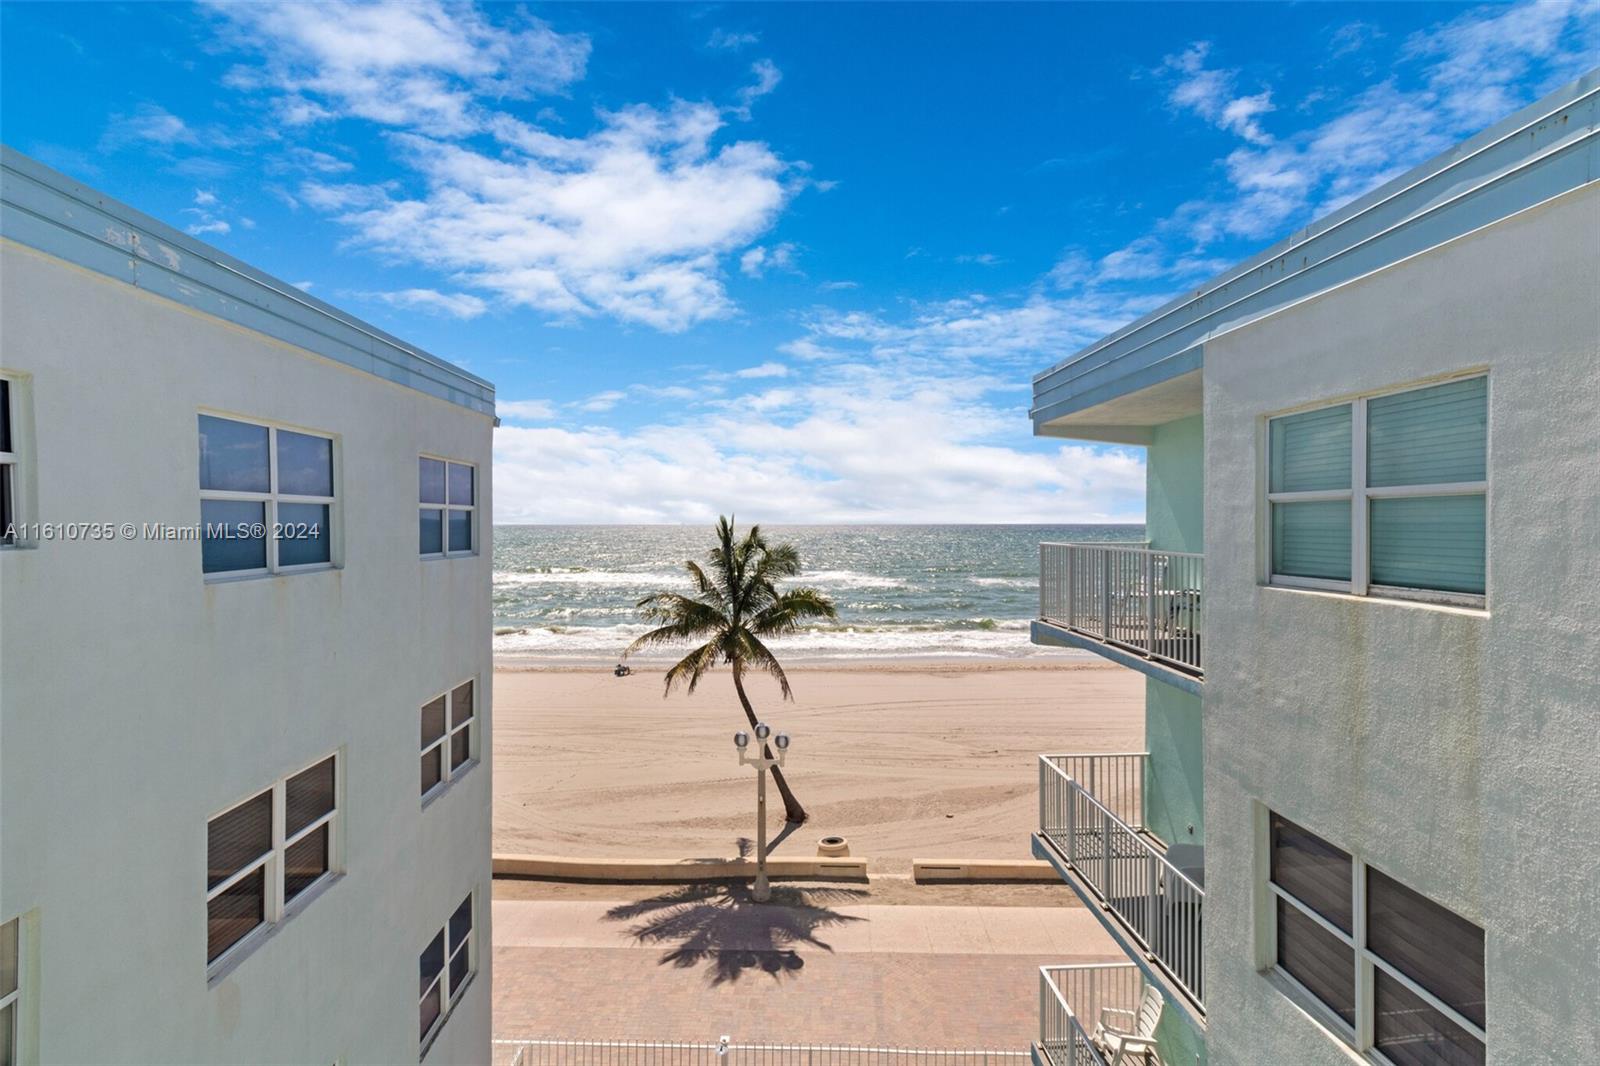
(1453, 749)
(1175, 521)
(1175, 486)
(136, 700)
(1174, 738)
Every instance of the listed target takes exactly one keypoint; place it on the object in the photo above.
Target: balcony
(1131, 603)
(1074, 1001)
(1091, 825)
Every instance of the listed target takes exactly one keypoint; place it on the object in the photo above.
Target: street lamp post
(763, 760)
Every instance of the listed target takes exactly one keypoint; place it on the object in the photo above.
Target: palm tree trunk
(792, 811)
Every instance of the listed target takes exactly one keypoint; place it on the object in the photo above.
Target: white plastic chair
(1126, 1036)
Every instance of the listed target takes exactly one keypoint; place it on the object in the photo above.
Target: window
(265, 853)
(9, 488)
(10, 990)
(447, 495)
(446, 964)
(1403, 974)
(447, 735)
(1385, 494)
(266, 498)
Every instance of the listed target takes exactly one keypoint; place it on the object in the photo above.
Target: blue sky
(798, 262)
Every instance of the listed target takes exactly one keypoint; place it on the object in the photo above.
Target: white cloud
(731, 40)
(317, 162)
(1352, 37)
(207, 212)
(677, 392)
(627, 221)
(525, 410)
(1012, 337)
(602, 401)
(417, 65)
(765, 370)
(1210, 93)
(809, 349)
(1479, 62)
(1144, 259)
(1472, 71)
(149, 124)
(823, 454)
(758, 260)
(1240, 114)
(431, 301)
(767, 77)
(304, 286)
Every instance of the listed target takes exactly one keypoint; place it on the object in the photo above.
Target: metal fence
(725, 1052)
(1158, 905)
(1144, 600)
(1070, 1001)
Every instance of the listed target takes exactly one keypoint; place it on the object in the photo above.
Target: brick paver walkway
(695, 964)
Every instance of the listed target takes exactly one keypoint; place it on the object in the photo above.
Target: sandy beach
(905, 760)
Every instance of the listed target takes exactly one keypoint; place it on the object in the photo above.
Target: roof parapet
(1542, 151)
(48, 211)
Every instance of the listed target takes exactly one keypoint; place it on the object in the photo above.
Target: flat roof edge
(47, 211)
(1544, 149)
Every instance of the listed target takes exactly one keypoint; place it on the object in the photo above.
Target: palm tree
(733, 609)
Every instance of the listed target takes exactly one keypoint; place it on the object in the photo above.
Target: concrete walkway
(695, 962)
(889, 930)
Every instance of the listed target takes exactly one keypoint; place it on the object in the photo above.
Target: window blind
(1318, 960)
(1429, 542)
(1409, 1032)
(1312, 539)
(1429, 436)
(1311, 451)
(1434, 946)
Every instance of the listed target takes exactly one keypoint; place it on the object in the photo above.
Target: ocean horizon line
(902, 591)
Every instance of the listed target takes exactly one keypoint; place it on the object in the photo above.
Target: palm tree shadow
(719, 924)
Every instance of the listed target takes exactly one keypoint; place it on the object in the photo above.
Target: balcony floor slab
(1053, 634)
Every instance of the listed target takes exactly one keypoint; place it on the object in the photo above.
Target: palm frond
(707, 589)
(782, 560)
(723, 561)
(691, 668)
(789, 609)
(670, 607)
(682, 619)
(758, 655)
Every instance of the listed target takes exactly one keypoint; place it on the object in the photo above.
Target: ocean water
(568, 593)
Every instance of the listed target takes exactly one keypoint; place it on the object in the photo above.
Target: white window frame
(272, 497)
(1361, 1036)
(15, 998)
(10, 461)
(450, 995)
(1360, 495)
(447, 507)
(451, 728)
(275, 908)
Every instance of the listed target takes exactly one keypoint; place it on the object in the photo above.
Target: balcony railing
(1144, 600)
(1070, 1001)
(1155, 903)
(1115, 779)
